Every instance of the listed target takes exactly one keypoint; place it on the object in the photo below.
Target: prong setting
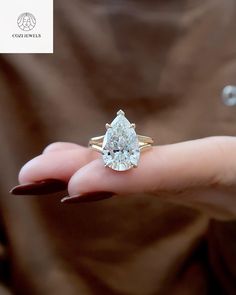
(108, 125)
(120, 112)
(132, 125)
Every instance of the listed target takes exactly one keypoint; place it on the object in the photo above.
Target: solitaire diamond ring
(120, 146)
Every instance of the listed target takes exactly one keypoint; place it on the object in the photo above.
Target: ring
(120, 146)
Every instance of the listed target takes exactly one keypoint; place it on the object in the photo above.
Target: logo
(26, 26)
(26, 21)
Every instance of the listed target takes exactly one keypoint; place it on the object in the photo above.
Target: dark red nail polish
(88, 197)
(42, 187)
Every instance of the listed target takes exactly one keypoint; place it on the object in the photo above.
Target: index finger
(61, 164)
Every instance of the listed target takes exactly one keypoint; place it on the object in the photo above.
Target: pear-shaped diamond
(120, 145)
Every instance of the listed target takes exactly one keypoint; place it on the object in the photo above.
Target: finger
(58, 165)
(60, 146)
(171, 169)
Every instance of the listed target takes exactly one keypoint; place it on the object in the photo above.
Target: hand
(199, 173)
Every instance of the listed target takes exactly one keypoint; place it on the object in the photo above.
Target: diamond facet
(120, 145)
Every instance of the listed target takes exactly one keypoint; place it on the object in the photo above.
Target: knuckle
(225, 158)
(52, 147)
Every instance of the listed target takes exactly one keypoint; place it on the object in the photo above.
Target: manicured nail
(88, 197)
(42, 187)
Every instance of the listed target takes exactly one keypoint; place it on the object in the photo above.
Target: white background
(9, 13)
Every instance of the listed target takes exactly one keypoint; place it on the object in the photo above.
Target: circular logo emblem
(26, 21)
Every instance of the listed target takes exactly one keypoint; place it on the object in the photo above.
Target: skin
(199, 173)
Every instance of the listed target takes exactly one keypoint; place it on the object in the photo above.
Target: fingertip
(59, 165)
(27, 173)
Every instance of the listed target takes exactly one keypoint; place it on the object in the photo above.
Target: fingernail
(41, 187)
(88, 197)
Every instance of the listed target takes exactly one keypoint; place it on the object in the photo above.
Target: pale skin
(199, 173)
